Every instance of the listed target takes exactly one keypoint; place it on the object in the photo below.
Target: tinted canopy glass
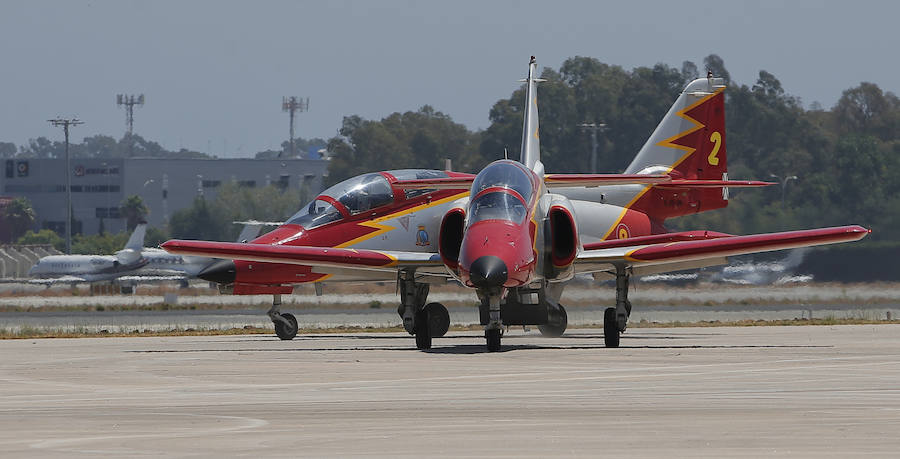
(362, 193)
(499, 205)
(506, 174)
(317, 213)
(417, 174)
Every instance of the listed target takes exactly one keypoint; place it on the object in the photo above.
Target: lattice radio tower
(129, 101)
(293, 105)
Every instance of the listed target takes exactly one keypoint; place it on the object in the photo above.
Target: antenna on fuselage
(505, 153)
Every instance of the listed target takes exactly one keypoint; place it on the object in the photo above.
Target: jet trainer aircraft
(513, 233)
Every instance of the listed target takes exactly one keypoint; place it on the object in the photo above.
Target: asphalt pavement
(812, 391)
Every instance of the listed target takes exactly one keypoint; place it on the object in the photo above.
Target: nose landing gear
(492, 332)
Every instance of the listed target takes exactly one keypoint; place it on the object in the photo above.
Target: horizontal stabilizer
(591, 180)
(715, 184)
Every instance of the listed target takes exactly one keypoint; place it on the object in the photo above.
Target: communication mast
(593, 128)
(293, 105)
(66, 123)
(129, 101)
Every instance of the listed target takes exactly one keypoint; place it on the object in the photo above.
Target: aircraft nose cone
(488, 271)
(222, 272)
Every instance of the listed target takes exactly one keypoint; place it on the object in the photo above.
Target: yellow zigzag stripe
(697, 126)
(669, 143)
(382, 228)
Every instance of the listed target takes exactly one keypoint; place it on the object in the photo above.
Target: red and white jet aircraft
(513, 233)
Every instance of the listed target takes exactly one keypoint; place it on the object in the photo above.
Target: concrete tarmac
(810, 391)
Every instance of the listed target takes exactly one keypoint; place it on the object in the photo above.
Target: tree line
(132, 146)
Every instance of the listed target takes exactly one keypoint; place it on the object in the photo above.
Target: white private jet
(134, 263)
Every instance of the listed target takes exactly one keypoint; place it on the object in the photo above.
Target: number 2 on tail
(715, 138)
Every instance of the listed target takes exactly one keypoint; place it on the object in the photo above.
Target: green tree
(44, 236)
(100, 146)
(43, 147)
(155, 236)
(420, 139)
(204, 220)
(15, 218)
(865, 109)
(587, 90)
(134, 210)
(99, 244)
(7, 149)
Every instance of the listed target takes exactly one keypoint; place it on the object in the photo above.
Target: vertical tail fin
(531, 144)
(136, 241)
(689, 143)
(690, 140)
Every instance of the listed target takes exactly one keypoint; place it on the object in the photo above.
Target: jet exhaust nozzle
(488, 271)
(222, 272)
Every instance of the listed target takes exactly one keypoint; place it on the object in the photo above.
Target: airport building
(166, 185)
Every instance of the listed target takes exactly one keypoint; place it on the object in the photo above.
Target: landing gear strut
(286, 325)
(492, 330)
(615, 320)
(425, 321)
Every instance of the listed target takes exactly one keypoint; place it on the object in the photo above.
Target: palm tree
(134, 210)
(16, 218)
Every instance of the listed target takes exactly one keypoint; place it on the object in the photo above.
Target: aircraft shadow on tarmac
(509, 344)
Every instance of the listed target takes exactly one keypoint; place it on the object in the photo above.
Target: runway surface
(809, 391)
(130, 321)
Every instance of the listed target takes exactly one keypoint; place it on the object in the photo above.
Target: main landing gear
(615, 319)
(286, 325)
(425, 321)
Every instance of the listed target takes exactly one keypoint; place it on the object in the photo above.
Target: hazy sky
(214, 72)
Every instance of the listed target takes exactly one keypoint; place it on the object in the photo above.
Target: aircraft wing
(662, 181)
(362, 259)
(57, 280)
(699, 248)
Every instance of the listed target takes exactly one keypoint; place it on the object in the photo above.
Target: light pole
(593, 127)
(65, 123)
(784, 182)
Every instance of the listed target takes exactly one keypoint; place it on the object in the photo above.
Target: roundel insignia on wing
(622, 232)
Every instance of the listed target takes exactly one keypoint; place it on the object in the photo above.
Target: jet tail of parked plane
(689, 146)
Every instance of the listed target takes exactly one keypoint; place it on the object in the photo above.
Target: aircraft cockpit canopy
(501, 204)
(417, 174)
(505, 174)
(497, 205)
(356, 195)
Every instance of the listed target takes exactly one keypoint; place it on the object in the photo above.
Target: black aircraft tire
(284, 331)
(555, 330)
(493, 339)
(423, 331)
(438, 319)
(610, 328)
